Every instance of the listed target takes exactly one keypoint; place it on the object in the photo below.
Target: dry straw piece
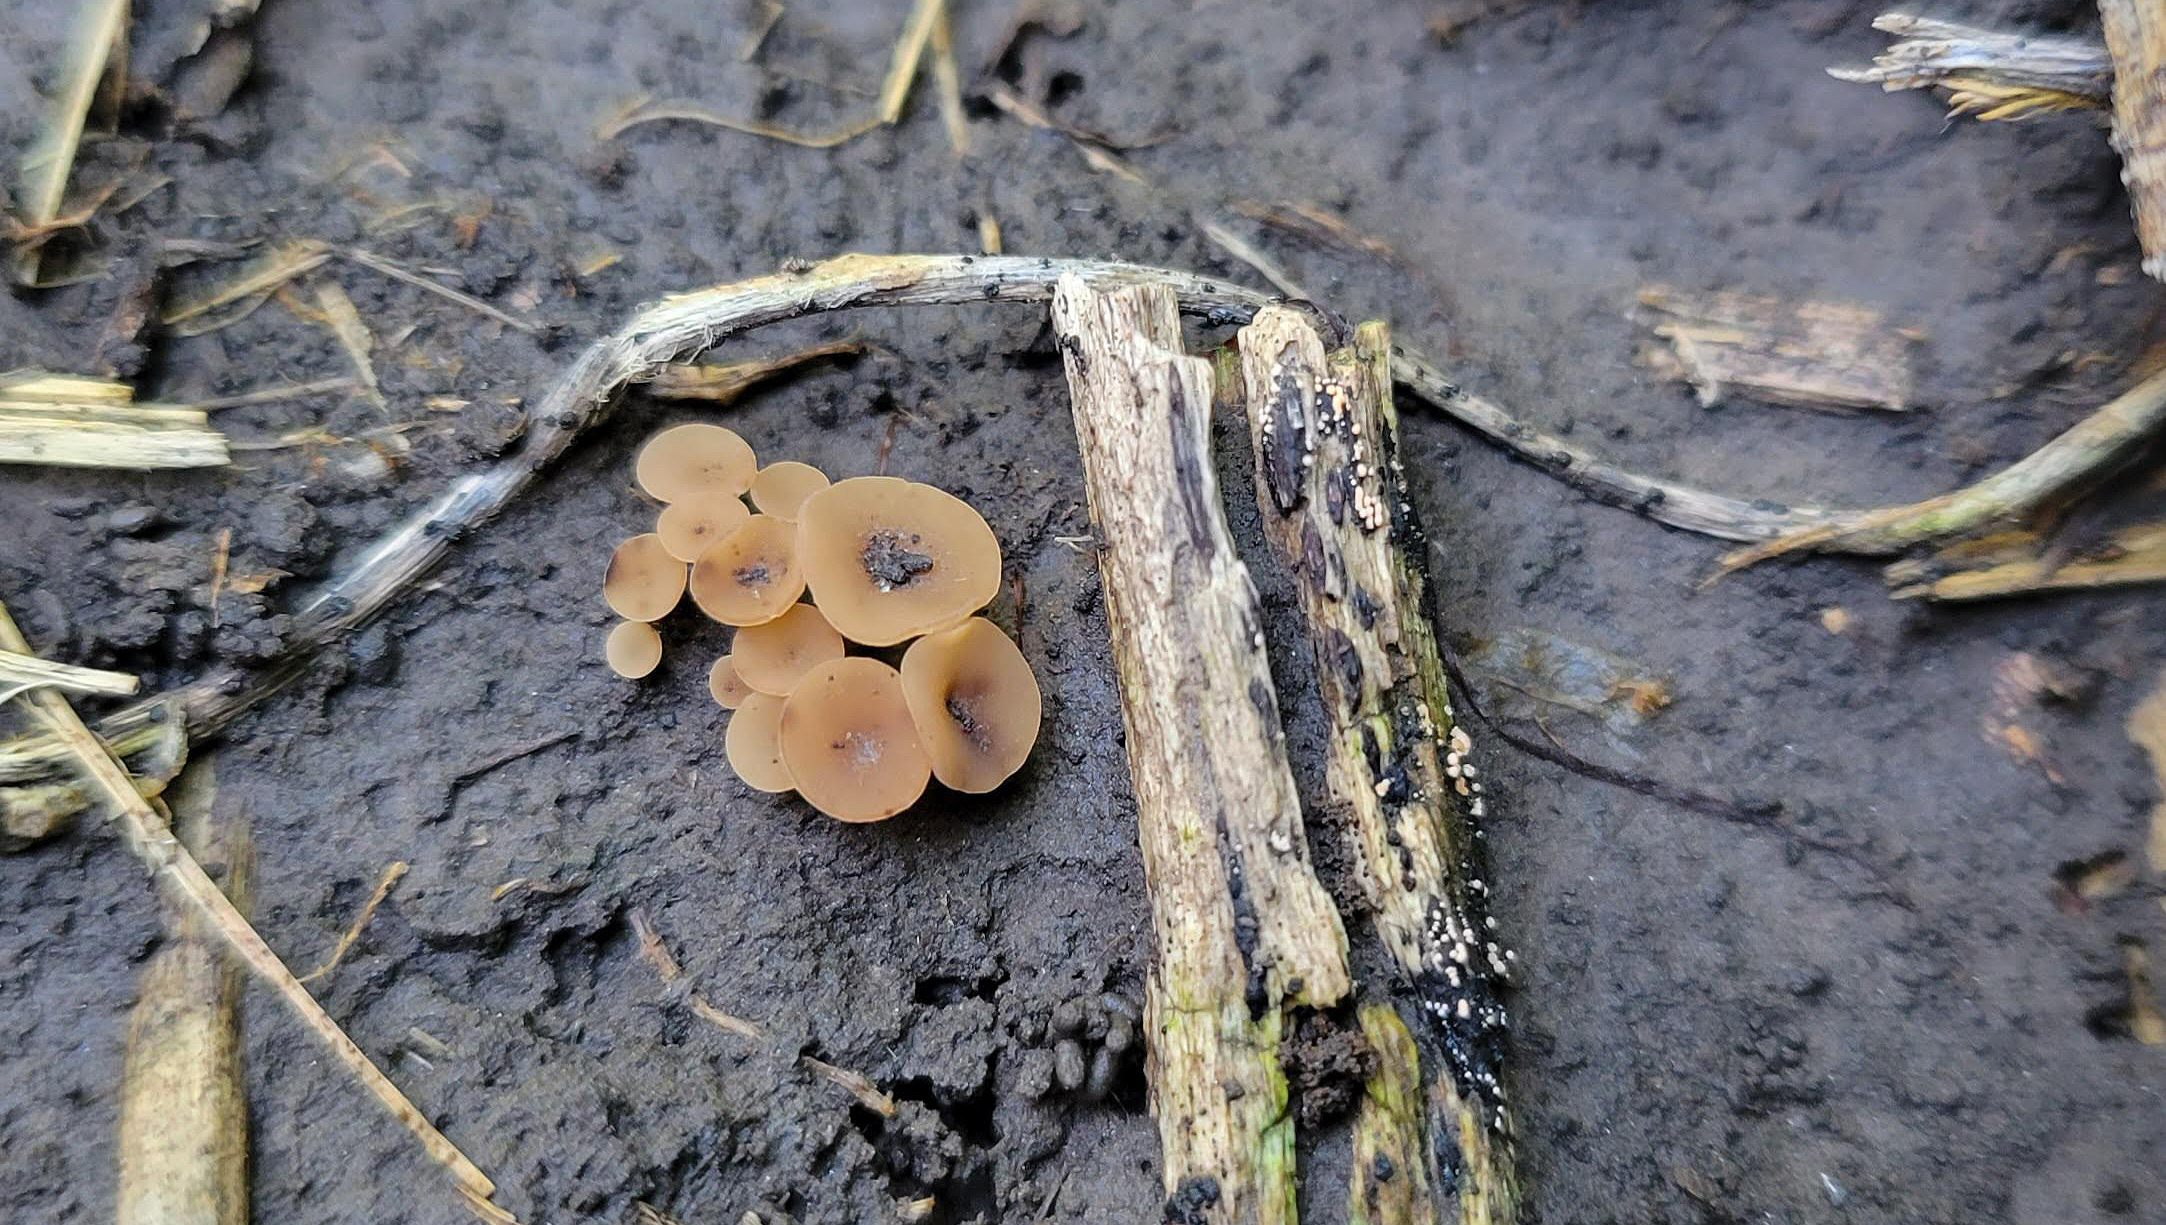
(753, 743)
(692, 525)
(848, 740)
(750, 576)
(728, 689)
(643, 582)
(781, 488)
(888, 559)
(698, 458)
(633, 650)
(975, 703)
(773, 657)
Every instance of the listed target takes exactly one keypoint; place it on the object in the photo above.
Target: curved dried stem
(2086, 451)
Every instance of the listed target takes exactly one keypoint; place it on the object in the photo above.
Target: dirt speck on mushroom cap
(750, 576)
(888, 559)
(975, 702)
(690, 526)
(849, 741)
(728, 689)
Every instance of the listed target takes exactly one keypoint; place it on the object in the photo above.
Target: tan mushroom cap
(724, 685)
(752, 743)
(848, 740)
(633, 649)
(975, 703)
(782, 487)
(643, 581)
(698, 458)
(689, 526)
(773, 657)
(890, 559)
(750, 576)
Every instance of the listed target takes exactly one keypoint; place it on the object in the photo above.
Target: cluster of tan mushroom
(886, 562)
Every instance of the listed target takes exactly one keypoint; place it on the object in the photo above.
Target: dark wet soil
(1715, 1021)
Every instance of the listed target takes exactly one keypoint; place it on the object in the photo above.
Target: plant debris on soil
(1714, 1020)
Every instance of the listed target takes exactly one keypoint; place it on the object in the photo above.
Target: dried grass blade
(101, 27)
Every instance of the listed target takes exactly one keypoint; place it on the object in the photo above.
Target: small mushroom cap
(782, 487)
(633, 649)
(697, 458)
(848, 740)
(643, 581)
(889, 559)
(753, 746)
(772, 657)
(975, 703)
(692, 524)
(750, 576)
(725, 686)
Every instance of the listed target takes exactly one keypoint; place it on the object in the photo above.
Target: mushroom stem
(1245, 931)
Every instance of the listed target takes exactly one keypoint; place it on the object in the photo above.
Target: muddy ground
(1714, 1022)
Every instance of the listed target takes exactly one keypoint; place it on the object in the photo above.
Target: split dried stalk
(19, 672)
(1949, 55)
(1826, 355)
(146, 833)
(2084, 453)
(2134, 555)
(66, 420)
(2136, 38)
(1336, 510)
(100, 35)
(1244, 929)
(183, 1096)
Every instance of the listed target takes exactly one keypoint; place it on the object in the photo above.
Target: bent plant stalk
(682, 325)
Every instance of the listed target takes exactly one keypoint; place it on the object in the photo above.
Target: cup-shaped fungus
(690, 526)
(643, 581)
(975, 702)
(698, 458)
(633, 649)
(728, 689)
(848, 740)
(750, 576)
(774, 656)
(753, 745)
(889, 559)
(782, 487)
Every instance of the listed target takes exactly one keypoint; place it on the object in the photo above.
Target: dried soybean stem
(1336, 510)
(145, 832)
(1244, 930)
